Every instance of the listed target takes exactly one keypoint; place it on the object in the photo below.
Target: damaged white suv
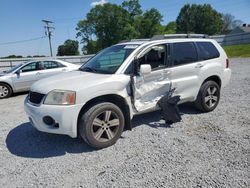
(99, 100)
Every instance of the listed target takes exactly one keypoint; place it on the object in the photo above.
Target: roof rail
(171, 36)
(135, 40)
(167, 36)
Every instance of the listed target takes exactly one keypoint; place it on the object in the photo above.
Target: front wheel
(5, 91)
(208, 97)
(102, 125)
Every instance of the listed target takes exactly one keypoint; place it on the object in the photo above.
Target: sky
(21, 19)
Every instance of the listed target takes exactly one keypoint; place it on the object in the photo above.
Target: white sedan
(21, 77)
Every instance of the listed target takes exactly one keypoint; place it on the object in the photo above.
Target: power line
(22, 41)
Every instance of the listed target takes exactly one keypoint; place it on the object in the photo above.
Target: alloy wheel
(3, 91)
(211, 97)
(105, 126)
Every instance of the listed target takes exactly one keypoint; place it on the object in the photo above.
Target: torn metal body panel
(154, 91)
(149, 89)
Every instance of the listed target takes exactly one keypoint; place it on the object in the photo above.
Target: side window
(50, 65)
(155, 56)
(207, 50)
(60, 65)
(184, 53)
(31, 67)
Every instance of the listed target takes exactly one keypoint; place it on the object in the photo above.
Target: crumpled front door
(150, 88)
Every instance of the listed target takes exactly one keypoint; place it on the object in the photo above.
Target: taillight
(227, 63)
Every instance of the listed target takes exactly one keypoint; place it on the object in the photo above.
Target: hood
(74, 81)
(2, 73)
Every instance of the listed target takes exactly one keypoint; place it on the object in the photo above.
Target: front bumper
(65, 116)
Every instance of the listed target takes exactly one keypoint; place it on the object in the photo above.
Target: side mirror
(145, 69)
(18, 72)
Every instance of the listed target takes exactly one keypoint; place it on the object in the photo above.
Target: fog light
(48, 120)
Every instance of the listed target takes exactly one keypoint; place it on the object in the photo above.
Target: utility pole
(48, 32)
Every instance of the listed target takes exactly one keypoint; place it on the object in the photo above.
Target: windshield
(109, 60)
(13, 69)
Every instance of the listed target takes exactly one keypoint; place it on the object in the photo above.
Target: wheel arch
(112, 98)
(1, 82)
(214, 78)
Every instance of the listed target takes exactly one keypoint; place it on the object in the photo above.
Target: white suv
(99, 100)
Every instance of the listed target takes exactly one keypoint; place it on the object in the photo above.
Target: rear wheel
(102, 125)
(208, 97)
(5, 91)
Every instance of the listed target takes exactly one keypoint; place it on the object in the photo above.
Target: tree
(133, 7)
(199, 19)
(170, 28)
(150, 23)
(229, 23)
(107, 24)
(70, 47)
(12, 56)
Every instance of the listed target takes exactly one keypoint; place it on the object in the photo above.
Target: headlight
(60, 97)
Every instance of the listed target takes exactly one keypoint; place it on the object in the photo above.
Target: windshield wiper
(88, 69)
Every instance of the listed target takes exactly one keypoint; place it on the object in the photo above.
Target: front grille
(36, 98)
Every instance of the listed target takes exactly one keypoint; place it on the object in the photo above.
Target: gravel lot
(204, 150)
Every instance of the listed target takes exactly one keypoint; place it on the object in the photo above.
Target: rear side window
(50, 64)
(184, 53)
(207, 50)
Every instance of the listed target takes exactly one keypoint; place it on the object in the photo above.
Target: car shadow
(188, 108)
(19, 94)
(25, 141)
(154, 119)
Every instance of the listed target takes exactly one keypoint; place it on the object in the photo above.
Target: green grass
(242, 50)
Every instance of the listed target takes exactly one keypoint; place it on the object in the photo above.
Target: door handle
(199, 65)
(38, 73)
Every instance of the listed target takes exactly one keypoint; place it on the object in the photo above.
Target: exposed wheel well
(7, 85)
(213, 78)
(117, 100)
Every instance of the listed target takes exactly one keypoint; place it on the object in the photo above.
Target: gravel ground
(204, 150)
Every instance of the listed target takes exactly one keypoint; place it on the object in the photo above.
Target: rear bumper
(65, 116)
(226, 77)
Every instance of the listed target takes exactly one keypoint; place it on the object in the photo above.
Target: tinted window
(155, 56)
(145, 59)
(50, 64)
(183, 53)
(207, 50)
(31, 67)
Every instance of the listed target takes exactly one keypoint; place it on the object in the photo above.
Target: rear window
(184, 53)
(207, 50)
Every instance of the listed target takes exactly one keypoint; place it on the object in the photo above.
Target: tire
(208, 97)
(101, 125)
(5, 91)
